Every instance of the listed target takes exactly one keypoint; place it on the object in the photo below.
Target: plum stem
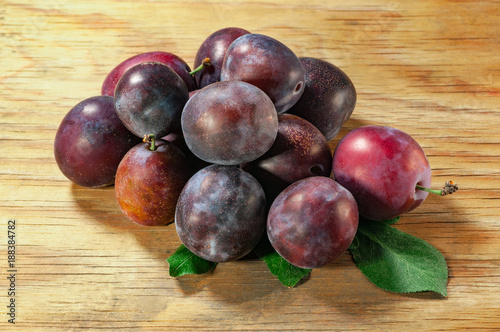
(151, 139)
(449, 188)
(205, 63)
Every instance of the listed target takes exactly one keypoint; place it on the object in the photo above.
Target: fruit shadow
(242, 275)
(100, 205)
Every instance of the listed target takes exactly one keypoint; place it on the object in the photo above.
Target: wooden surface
(430, 68)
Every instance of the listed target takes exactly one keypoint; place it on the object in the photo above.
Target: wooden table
(430, 68)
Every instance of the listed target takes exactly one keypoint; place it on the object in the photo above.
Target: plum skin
(149, 99)
(91, 141)
(268, 64)
(229, 123)
(329, 96)
(214, 47)
(312, 222)
(220, 213)
(299, 151)
(148, 183)
(381, 166)
(171, 60)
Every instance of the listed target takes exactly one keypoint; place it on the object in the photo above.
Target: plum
(91, 141)
(329, 97)
(149, 99)
(299, 151)
(149, 180)
(229, 123)
(171, 60)
(381, 166)
(268, 64)
(220, 214)
(214, 47)
(312, 222)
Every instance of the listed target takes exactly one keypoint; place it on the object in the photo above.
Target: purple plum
(221, 213)
(268, 64)
(214, 47)
(312, 222)
(329, 97)
(229, 123)
(91, 141)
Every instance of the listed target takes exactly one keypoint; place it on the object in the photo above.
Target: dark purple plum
(214, 47)
(169, 59)
(381, 167)
(299, 151)
(149, 182)
(149, 99)
(229, 123)
(329, 97)
(268, 64)
(91, 141)
(221, 213)
(312, 222)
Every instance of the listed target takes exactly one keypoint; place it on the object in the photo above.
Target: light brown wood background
(430, 68)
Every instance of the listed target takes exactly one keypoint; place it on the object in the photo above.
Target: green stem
(150, 139)
(432, 191)
(449, 188)
(205, 63)
(153, 145)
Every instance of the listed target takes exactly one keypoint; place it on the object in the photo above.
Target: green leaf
(288, 274)
(183, 262)
(396, 261)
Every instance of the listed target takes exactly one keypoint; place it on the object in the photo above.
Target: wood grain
(430, 68)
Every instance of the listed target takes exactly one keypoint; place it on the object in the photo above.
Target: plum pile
(237, 149)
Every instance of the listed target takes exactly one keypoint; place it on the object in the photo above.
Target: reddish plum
(214, 47)
(329, 97)
(169, 59)
(381, 167)
(149, 181)
(229, 123)
(149, 99)
(299, 151)
(91, 141)
(312, 222)
(220, 214)
(268, 64)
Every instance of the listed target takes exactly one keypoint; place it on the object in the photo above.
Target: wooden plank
(430, 68)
